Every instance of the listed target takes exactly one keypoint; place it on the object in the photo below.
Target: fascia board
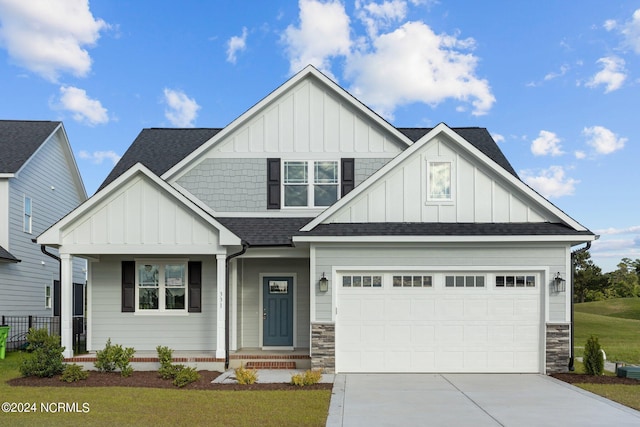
(442, 239)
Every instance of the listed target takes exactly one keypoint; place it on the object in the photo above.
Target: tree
(623, 282)
(588, 279)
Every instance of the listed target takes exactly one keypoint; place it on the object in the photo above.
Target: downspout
(227, 287)
(573, 274)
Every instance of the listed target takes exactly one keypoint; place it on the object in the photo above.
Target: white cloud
(48, 37)
(554, 75)
(236, 44)
(83, 108)
(182, 110)
(393, 63)
(550, 182)
(630, 30)
(97, 157)
(580, 154)
(610, 24)
(634, 229)
(603, 140)
(497, 137)
(612, 74)
(547, 143)
(323, 34)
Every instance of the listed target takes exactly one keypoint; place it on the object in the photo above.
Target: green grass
(160, 407)
(628, 395)
(618, 336)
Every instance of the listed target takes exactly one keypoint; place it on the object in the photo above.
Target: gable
(481, 191)
(19, 140)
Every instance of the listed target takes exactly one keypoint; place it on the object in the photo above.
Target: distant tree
(623, 282)
(588, 280)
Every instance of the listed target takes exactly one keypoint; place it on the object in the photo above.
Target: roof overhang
(572, 239)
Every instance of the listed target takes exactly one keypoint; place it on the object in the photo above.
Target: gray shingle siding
(364, 168)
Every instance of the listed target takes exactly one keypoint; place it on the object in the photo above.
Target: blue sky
(556, 82)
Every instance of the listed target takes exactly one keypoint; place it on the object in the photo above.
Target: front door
(277, 311)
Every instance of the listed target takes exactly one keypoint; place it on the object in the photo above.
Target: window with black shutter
(347, 182)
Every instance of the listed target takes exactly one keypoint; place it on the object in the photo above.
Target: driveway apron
(476, 400)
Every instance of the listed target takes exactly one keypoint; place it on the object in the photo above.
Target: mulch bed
(151, 379)
(594, 379)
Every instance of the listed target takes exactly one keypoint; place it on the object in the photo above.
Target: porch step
(269, 364)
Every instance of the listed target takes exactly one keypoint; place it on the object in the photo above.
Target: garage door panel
(476, 309)
(397, 309)
(422, 309)
(448, 309)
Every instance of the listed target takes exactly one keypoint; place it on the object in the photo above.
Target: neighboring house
(39, 184)
(310, 223)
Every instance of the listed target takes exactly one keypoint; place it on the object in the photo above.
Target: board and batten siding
(479, 194)
(143, 332)
(453, 257)
(240, 184)
(249, 285)
(46, 179)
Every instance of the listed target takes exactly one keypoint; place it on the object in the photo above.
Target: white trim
(221, 271)
(89, 308)
(261, 277)
(443, 239)
(233, 306)
(312, 286)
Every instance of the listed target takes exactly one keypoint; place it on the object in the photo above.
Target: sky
(556, 83)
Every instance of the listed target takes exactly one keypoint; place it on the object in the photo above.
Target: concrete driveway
(469, 400)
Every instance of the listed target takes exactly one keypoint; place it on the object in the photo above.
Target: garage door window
(362, 281)
(412, 281)
(464, 281)
(515, 281)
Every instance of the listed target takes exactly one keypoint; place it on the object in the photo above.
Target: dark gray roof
(5, 256)
(265, 231)
(159, 149)
(19, 139)
(478, 137)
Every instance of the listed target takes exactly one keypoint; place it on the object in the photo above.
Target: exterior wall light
(558, 284)
(324, 283)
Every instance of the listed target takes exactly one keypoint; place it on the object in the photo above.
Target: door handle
(264, 314)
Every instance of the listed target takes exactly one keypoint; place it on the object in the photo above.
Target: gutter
(573, 274)
(227, 286)
(43, 248)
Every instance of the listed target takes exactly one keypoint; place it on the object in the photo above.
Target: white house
(312, 230)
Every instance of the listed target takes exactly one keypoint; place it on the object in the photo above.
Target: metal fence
(20, 326)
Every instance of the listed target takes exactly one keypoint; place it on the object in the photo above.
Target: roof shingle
(19, 139)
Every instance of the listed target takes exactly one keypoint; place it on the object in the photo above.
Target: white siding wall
(22, 285)
(192, 331)
(453, 256)
(249, 271)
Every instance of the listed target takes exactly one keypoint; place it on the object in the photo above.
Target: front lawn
(628, 395)
(158, 407)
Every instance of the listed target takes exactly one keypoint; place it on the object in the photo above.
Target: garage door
(438, 322)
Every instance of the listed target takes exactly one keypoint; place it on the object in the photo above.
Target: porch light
(558, 284)
(324, 283)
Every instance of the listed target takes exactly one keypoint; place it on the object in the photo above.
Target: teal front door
(277, 311)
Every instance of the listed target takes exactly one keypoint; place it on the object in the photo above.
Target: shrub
(45, 359)
(186, 375)
(593, 357)
(114, 356)
(309, 377)
(73, 373)
(246, 376)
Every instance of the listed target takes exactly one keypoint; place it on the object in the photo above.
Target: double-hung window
(162, 286)
(47, 296)
(310, 183)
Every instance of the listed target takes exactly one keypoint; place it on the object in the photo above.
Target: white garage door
(438, 322)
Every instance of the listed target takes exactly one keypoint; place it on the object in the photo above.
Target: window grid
(412, 281)
(466, 281)
(361, 281)
(515, 281)
(310, 183)
(161, 286)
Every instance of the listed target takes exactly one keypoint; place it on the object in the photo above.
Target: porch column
(66, 304)
(221, 326)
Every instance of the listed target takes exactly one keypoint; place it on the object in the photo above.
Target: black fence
(20, 325)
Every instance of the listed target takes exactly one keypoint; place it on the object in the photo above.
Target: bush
(246, 376)
(593, 357)
(186, 375)
(309, 377)
(45, 359)
(114, 356)
(73, 373)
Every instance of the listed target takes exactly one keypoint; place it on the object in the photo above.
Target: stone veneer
(557, 354)
(323, 347)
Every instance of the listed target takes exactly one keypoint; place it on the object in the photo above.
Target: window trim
(452, 180)
(310, 182)
(48, 296)
(162, 287)
(27, 217)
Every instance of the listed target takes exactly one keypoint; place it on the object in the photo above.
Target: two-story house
(311, 228)
(39, 184)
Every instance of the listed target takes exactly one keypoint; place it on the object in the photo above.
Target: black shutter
(57, 297)
(128, 286)
(348, 176)
(273, 183)
(195, 287)
(78, 299)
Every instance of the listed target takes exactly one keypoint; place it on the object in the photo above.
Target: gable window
(439, 181)
(310, 183)
(28, 215)
(161, 286)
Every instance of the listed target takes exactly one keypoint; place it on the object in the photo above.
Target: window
(47, 296)
(310, 183)
(515, 281)
(28, 215)
(362, 281)
(439, 181)
(412, 281)
(467, 281)
(161, 286)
